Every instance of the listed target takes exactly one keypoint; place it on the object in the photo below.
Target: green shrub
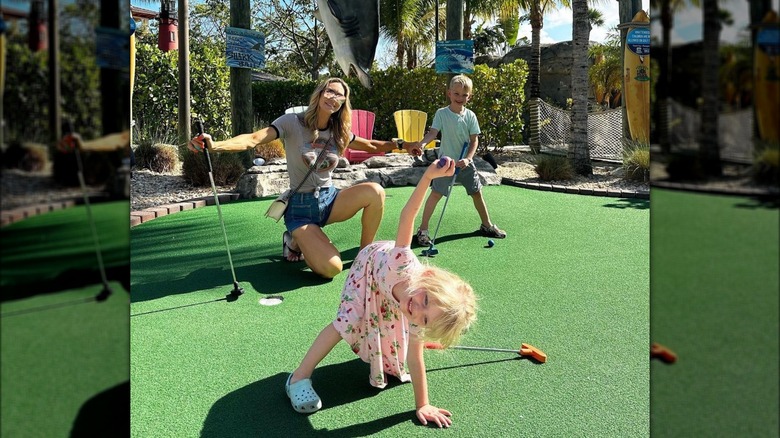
(553, 168)
(766, 166)
(227, 168)
(636, 161)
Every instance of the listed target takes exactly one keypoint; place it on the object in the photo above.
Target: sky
(687, 23)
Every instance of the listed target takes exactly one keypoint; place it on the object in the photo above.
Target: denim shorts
(468, 177)
(305, 208)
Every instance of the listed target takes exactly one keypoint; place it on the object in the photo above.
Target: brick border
(141, 216)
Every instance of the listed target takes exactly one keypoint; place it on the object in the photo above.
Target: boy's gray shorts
(467, 177)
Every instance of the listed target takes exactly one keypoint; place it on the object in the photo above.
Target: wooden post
(184, 72)
(241, 78)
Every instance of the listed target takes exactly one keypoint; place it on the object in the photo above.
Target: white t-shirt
(301, 152)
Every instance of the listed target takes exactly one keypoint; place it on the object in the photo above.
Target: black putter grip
(199, 130)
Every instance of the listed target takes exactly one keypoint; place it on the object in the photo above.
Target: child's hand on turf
(437, 415)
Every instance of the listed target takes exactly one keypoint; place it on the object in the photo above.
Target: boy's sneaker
(492, 231)
(423, 239)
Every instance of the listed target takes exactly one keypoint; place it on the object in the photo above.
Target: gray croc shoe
(302, 396)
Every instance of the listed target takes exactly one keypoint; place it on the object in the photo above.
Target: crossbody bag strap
(311, 169)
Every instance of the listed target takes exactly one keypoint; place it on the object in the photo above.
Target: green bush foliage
(156, 94)
(636, 161)
(227, 168)
(554, 168)
(766, 167)
(27, 78)
(498, 98)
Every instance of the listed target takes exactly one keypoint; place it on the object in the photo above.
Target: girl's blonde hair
(340, 122)
(454, 296)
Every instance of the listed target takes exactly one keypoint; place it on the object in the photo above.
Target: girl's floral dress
(369, 317)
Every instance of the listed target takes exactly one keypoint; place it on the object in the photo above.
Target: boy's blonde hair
(340, 121)
(454, 296)
(462, 80)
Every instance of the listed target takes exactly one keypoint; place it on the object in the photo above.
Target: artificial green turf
(571, 278)
(715, 304)
(58, 351)
(42, 247)
(63, 352)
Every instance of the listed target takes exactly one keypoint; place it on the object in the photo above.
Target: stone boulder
(392, 170)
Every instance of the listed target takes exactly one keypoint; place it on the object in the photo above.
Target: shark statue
(353, 30)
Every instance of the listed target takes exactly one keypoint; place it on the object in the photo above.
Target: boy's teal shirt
(455, 129)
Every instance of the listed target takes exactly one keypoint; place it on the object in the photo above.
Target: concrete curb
(575, 190)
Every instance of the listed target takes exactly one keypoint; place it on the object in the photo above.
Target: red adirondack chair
(362, 126)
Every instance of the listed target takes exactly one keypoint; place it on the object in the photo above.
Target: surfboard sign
(636, 61)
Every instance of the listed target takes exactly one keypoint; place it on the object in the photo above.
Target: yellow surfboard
(636, 61)
(766, 78)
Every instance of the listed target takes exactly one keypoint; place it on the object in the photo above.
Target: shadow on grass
(271, 276)
(263, 409)
(769, 202)
(70, 279)
(105, 414)
(622, 203)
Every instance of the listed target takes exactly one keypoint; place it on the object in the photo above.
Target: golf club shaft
(449, 192)
(95, 238)
(199, 127)
(438, 346)
(504, 350)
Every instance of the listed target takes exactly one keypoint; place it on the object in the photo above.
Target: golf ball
(491, 243)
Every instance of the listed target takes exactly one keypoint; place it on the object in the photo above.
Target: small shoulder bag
(279, 206)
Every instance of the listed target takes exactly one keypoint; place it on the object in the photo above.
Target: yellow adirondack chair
(410, 125)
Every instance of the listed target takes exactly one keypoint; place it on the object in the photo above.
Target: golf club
(432, 251)
(237, 290)
(526, 350)
(72, 143)
(662, 353)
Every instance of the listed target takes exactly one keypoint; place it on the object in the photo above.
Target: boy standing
(458, 125)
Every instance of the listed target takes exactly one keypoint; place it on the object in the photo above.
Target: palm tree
(536, 9)
(411, 25)
(709, 150)
(579, 152)
(668, 7)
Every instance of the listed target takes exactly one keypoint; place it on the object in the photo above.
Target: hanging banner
(245, 48)
(112, 48)
(455, 56)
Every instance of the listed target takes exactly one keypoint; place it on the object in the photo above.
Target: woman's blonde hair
(454, 296)
(340, 122)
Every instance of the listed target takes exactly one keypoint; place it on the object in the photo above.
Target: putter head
(237, 290)
(663, 353)
(533, 352)
(104, 294)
